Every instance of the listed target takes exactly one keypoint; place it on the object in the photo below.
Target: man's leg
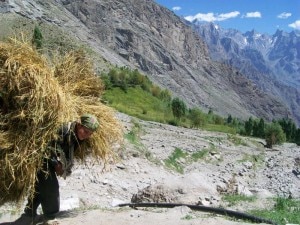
(49, 194)
(33, 204)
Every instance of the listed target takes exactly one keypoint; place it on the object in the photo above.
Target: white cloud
(253, 15)
(225, 16)
(284, 15)
(176, 8)
(211, 17)
(295, 25)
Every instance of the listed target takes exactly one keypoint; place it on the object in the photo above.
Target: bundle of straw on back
(35, 99)
(83, 91)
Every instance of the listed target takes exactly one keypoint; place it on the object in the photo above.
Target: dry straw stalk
(36, 97)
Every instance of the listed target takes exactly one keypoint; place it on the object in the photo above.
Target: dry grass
(37, 95)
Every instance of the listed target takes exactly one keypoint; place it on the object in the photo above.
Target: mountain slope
(271, 62)
(141, 34)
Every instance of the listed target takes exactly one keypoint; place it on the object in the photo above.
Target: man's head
(88, 124)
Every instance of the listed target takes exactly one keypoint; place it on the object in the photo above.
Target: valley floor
(232, 164)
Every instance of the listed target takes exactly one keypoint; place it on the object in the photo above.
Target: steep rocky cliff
(141, 34)
(271, 62)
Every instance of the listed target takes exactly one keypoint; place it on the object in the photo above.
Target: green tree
(178, 108)
(197, 117)
(107, 82)
(289, 128)
(210, 116)
(37, 39)
(258, 128)
(261, 128)
(114, 78)
(123, 77)
(274, 134)
(135, 78)
(297, 136)
(249, 126)
(255, 128)
(229, 119)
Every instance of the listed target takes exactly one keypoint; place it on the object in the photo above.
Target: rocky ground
(228, 164)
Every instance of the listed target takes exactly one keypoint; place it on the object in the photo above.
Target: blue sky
(264, 16)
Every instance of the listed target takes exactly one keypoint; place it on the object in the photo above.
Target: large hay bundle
(35, 99)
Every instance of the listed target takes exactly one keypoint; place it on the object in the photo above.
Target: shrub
(274, 135)
(155, 91)
(178, 108)
(197, 117)
(173, 122)
(218, 120)
(37, 39)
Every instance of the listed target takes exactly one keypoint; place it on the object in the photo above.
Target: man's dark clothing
(47, 186)
(46, 194)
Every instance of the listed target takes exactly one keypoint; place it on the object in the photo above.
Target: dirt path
(178, 215)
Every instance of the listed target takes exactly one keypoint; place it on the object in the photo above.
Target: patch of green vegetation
(236, 140)
(136, 102)
(196, 156)
(187, 217)
(179, 158)
(133, 135)
(133, 93)
(212, 150)
(172, 161)
(234, 199)
(215, 139)
(284, 211)
(219, 128)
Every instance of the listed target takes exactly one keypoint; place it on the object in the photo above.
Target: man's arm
(55, 159)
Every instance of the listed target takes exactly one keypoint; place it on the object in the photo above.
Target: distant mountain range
(207, 67)
(277, 56)
(271, 62)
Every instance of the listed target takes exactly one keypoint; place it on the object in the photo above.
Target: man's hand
(59, 169)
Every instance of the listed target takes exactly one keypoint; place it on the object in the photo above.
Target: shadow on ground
(24, 220)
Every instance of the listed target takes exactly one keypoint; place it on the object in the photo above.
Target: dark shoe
(24, 220)
(28, 220)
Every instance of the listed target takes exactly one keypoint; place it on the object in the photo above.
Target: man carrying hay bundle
(46, 194)
(37, 95)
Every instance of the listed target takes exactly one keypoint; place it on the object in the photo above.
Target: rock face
(271, 62)
(141, 34)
